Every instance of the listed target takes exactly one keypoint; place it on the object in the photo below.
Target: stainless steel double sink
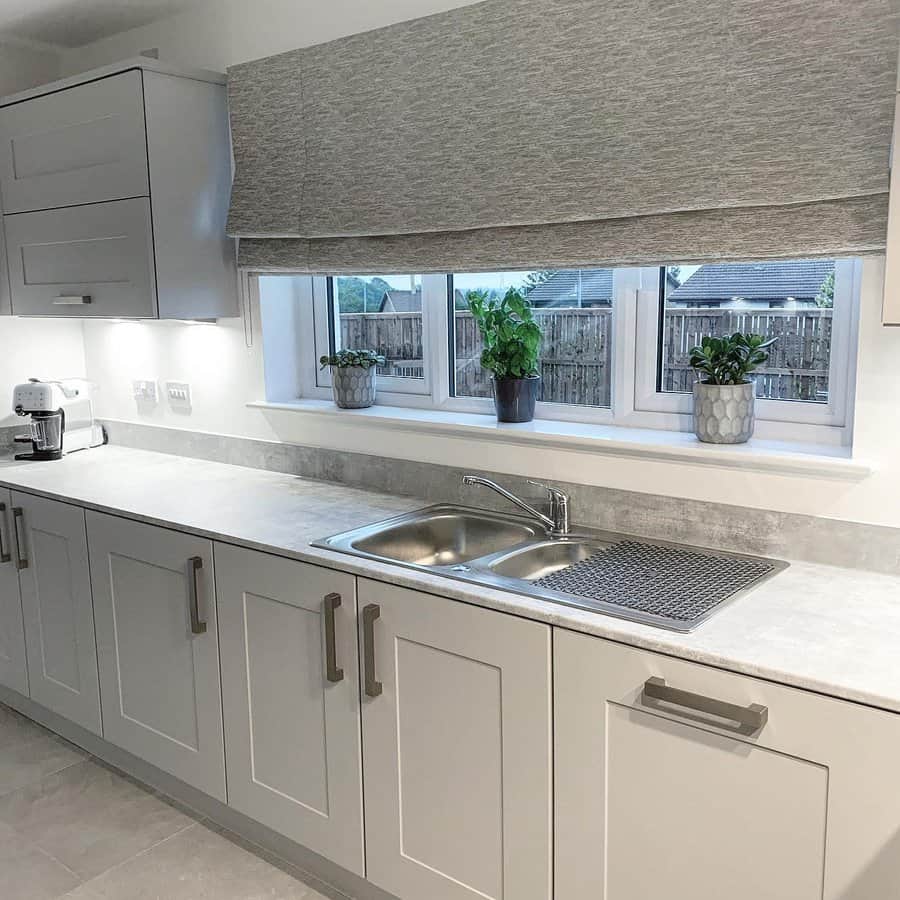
(506, 552)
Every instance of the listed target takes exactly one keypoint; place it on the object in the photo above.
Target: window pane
(792, 301)
(573, 308)
(382, 313)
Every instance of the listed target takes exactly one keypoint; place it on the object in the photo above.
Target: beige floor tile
(14, 729)
(27, 761)
(90, 818)
(196, 864)
(27, 873)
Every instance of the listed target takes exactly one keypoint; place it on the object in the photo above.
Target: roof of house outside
(401, 301)
(574, 287)
(797, 279)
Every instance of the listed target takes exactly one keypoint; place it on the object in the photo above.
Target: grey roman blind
(518, 133)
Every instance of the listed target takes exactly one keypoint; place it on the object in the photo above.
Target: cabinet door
(292, 730)
(13, 670)
(83, 261)
(671, 798)
(85, 144)
(157, 644)
(58, 612)
(457, 742)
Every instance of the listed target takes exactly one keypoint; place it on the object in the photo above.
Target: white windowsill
(777, 457)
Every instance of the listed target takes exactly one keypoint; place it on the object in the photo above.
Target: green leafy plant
(512, 338)
(729, 360)
(347, 359)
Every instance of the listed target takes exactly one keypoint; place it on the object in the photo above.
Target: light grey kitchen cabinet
(83, 145)
(91, 260)
(290, 687)
(157, 646)
(457, 748)
(51, 552)
(116, 187)
(679, 780)
(13, 668)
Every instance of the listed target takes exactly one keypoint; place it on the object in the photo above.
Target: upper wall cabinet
(115, 192)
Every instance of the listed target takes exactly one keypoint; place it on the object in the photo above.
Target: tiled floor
(71, 827)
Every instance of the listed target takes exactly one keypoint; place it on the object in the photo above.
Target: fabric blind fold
(518, 133)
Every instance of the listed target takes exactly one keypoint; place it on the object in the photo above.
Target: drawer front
(83, 261)
(86, 144)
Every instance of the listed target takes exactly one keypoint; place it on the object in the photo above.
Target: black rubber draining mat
(669, 582)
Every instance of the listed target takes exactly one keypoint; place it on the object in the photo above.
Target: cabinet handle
(5, 555)
(750, 719)
(370, 614)
(332, 671)
(195, 564)
(72, 300)
(21, 561)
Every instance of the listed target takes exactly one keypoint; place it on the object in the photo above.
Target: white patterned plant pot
(723, 413)
(353, 386)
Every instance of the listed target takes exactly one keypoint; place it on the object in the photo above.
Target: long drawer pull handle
(21, 560)
(72, 300)
(371, 614)
(750, 719)
(333, 672)
(195, 564)
(5, 555)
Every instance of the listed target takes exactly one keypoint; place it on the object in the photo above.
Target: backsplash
(715, 525)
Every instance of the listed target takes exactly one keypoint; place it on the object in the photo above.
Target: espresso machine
(62, 417)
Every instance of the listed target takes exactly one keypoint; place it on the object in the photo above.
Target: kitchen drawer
(85, 144)
(92, 260)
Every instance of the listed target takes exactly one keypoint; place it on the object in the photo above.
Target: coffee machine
(62, 417)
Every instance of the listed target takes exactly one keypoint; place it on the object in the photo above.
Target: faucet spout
(557, 523)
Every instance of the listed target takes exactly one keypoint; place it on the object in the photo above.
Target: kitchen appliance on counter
(62, 417)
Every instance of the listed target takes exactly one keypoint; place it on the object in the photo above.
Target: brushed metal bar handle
(750, 719)
(333, 672)
(21, 561)
(371, 613)
(5, 555)
(195, 564)
(72, 300)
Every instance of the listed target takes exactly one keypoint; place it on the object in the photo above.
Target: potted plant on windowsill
(724, 394)
(353, 375)
(512, 341)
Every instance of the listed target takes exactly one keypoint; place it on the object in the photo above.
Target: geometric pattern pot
(353, 386)
(723, 413)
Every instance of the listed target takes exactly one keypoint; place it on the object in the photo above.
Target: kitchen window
(616, 340)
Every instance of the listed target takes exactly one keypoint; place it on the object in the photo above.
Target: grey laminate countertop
(821, 628)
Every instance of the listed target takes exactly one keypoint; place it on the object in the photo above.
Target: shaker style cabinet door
(84, 144)
(83, 261)
(290, 683)
(457, 748)
(13, 670)
(679, 780)
(52, 557)
(157, 645)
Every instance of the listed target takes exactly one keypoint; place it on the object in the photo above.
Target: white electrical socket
(179, 394)
(145, 390)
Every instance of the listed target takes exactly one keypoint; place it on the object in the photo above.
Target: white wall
(29, 347)
(220, 33)
(226, 374)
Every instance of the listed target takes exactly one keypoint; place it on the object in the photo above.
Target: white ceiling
(74, 23)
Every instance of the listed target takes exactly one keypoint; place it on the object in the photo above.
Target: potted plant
(512, 340)
(353, 377)
(724, 395)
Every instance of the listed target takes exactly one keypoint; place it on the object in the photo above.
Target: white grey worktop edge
(826, 629)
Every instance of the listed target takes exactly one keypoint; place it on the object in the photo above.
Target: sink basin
(443, 538)
(538, 560)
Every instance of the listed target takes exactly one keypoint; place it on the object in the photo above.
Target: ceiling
(74, 23)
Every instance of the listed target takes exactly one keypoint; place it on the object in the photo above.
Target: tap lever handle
(552, 492)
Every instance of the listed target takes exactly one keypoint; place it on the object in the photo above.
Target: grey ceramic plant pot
(353, 386)
(723, 413)
(514, 398)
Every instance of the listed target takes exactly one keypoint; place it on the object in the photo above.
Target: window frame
(635, 400)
